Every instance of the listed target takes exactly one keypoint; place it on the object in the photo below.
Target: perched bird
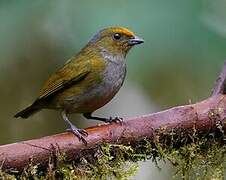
(89, 79)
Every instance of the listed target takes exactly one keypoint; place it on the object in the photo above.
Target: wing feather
(70, 74)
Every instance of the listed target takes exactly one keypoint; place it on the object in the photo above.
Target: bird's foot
(116, 119)
(106, 120)
(79, 133)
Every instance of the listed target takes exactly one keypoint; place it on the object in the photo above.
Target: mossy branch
(172, 128)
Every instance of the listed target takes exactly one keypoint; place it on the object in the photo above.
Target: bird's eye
(117, 36)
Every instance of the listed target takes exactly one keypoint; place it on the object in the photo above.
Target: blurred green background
(184, 49)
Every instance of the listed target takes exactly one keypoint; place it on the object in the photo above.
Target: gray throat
(112, 58)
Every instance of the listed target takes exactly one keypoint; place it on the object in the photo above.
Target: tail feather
(27, 112)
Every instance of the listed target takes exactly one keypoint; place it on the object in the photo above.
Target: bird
(88, 80)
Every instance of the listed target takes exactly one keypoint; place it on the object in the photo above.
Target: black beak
(135, 40)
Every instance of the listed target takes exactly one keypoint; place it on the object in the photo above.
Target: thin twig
(220, 84)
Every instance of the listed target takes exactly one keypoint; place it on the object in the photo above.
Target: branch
(220, 84)
(203, 116)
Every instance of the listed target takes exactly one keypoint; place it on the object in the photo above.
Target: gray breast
(100, 94)
(113, 78)
(115, 70)
(114, 74)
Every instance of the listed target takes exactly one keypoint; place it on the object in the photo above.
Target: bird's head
(115, 40)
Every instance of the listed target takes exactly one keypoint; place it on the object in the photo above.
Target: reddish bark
(202, 115)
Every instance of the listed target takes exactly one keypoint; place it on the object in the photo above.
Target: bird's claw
(116, 119)
(79, 133)
(83, 132)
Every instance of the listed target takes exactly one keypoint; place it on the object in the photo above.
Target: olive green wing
(70, 74)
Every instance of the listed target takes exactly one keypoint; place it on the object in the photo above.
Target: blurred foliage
(183, 51)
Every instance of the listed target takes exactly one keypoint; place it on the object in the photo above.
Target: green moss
(192, 156)
(203, 159)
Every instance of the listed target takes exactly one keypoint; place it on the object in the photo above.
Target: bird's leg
(80, 133)
(107, 120)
